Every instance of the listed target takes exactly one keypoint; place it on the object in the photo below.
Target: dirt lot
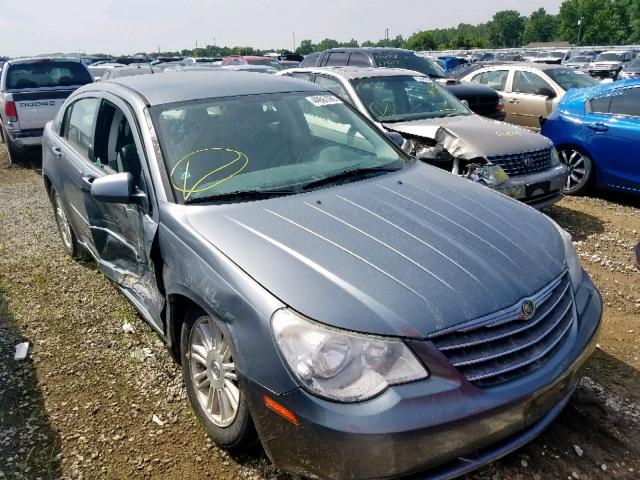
(91, 401)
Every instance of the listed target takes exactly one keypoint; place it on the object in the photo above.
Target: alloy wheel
(63, 223)
(213, 372)
(576, 163)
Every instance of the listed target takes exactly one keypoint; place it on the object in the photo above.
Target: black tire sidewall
(588, 174)
(237, 435)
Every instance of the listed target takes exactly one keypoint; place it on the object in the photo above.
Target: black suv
(481, 99)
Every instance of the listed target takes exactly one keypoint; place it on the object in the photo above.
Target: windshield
(581, 60)
(569, 78)
(408, 61)
(47, 74)
(266, 62)
(609, 57)
(404, 98)
(260, 143)
(635, 62)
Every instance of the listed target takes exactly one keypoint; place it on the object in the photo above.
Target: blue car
(597, 134)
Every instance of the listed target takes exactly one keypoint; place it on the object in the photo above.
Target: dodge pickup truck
(31, 92)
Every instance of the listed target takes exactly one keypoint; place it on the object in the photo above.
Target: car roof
(618, 52)
(351, 73)
(16, 61)
(367, 49)
(539, 66)
(197, 85)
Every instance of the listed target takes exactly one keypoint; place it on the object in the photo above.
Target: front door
(524, 104)
(123, 235)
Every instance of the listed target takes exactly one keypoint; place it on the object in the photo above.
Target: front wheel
(211, 381)
(580, 170)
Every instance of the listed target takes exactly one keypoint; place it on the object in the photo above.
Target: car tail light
(10, 110)
(500, 103)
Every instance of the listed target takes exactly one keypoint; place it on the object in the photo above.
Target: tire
(210, 377)
(68, 236)
(580, 170)
(13, 152)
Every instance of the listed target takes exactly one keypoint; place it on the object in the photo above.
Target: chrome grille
(524, 162)
(501, 346)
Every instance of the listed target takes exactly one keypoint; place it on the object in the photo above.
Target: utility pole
(386, 35)
(294, 42)
(579, 31)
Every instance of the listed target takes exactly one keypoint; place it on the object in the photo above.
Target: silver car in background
(439, 129)
(31, 92)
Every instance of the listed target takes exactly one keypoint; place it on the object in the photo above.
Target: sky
(30, 27)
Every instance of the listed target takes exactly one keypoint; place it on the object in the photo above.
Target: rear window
(47, 75)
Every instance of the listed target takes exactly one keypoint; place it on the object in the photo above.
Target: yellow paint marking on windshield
(187, 192)
(387, 106)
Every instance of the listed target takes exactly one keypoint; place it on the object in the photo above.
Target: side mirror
(546, 92)
(396, 138)
(118, 188)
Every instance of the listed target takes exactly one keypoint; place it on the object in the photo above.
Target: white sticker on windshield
(323, 100)
(422, 79)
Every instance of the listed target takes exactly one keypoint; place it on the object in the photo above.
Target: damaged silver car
(439, 129)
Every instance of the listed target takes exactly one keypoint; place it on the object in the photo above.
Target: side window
(626, 103)
(80, 125)
(334, 87)
(359, 60)
(528, 82)
(302, 76)
(496, 79)
(337, 59)
(600, 105)
(116, 150)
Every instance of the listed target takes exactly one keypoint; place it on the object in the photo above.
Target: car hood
(473, 136)
(404, 254)
(606, 64)
(631, 69)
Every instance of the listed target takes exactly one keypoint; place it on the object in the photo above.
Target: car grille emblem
(528, 162)
(528, 309)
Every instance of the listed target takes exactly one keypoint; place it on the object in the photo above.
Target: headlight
(571, 257)
(340, 365)
(555, 158)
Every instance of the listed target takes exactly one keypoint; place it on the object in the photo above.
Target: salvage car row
(324, 285)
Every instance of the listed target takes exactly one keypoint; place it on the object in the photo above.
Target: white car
(609, 64)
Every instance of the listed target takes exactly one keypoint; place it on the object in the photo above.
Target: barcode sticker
(323, 100)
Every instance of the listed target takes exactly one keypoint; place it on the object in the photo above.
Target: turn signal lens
(281, 410)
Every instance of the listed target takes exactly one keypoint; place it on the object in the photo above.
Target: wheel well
(178, 307)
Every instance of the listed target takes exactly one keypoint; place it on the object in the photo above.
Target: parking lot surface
(98, 395)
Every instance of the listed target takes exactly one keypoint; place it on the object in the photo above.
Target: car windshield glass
(635, 62)
(47, 74)
(257, 144)
(580, 59)
(408, 61)
(609, 57)
(405, 98)
(266, 63)
(568, 78)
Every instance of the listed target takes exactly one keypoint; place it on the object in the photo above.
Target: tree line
(602, 22)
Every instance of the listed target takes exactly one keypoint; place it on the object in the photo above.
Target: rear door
(613, 136)
(524, 105)
(123, 234)
(39, 88)
(72, 151)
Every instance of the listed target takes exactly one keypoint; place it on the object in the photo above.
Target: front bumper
(537, 190)
(437, 428)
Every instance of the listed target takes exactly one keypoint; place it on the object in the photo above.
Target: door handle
(87, 180)
(57, 151)
(514, 100)
(598, 127)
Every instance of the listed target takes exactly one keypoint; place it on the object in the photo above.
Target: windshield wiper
(347, 174)
(243, 195)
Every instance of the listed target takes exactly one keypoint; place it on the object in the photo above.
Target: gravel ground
(91, 401)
